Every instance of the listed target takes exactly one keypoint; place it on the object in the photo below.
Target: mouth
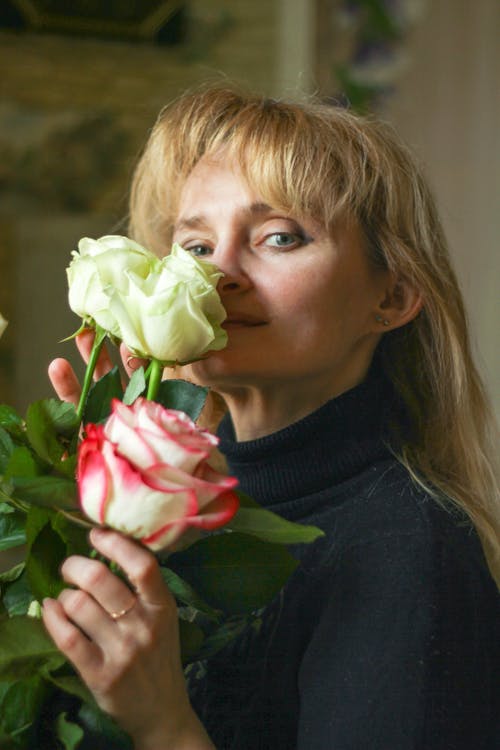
(243, 322)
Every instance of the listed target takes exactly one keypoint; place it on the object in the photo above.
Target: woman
(353, 404)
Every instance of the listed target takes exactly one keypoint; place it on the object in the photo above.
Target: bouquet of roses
(132, 459)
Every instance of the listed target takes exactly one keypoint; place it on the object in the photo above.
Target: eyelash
(196, 247)
(299, 239)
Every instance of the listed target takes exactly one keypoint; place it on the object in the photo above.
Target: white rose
(173, 315)
(3, 324)
(98, 270)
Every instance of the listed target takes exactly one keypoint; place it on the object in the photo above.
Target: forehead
(217, 183)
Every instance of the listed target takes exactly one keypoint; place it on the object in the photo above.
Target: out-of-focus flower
(3, 324)
(146, 473)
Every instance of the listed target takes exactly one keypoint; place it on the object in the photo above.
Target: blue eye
(283, 239)
(199, 251)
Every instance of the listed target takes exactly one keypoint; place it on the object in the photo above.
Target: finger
(131, 363)
(83, 610)
(64, 381)
(139, 565)
(69, 638)
(95, 578)
(84, 343)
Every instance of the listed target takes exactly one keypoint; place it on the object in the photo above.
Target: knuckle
(94, 575)
(68, 642)
(73, 601)
(145, 572)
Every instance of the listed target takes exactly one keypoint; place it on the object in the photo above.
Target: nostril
(229, 286)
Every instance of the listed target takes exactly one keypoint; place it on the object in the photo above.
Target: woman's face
(300, 304)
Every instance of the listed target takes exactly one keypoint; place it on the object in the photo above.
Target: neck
(257, 412)
(327, 446)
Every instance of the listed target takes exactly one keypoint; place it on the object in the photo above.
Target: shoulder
(383, 520)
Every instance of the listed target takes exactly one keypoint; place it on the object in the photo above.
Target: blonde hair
(325, 162)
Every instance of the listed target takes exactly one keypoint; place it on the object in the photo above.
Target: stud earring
(380, 319)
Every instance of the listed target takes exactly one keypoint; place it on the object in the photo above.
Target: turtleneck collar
(329, 446)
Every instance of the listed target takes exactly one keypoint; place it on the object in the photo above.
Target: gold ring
(117, 615)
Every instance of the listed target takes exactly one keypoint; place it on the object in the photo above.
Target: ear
(401, 304)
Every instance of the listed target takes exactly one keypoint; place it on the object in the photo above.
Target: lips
(243, 320)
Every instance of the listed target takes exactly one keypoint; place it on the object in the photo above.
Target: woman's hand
(125, 644)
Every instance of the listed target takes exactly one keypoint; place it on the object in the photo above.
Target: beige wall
(49, 88)
(448, 108)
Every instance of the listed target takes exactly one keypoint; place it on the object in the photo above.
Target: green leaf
(7, 576)
(6, 508)
(6, 449)
(234, 572)
(221, 636)
(67, 466)
(22, 463)
(20, 703)
(74, 536)
(191, 637)
(183, 396)
(185, 594)
(12, 532)
(101, 394)
(98, 726)
(136, 387)
(47, 491)
(69, 733)
(272, 528)
(11, 421)
(46, 555)
(18, 596)
(70, 683)
(25, 648)
(47, 421)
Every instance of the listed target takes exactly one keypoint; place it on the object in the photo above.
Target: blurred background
(82, 82)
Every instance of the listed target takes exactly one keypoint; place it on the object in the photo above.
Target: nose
(229, 258)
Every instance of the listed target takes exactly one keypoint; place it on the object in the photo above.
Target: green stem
(154, 379)
(100, 335)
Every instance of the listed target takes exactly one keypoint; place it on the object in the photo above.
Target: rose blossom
(146, 473)
(167, 309)
(99, 268)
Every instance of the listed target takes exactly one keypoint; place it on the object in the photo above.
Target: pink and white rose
(145, 472)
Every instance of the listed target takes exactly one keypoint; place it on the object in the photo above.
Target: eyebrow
(194, 222)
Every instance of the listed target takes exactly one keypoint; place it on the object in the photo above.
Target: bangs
(308, 161)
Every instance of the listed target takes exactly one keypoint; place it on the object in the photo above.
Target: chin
(219, 370)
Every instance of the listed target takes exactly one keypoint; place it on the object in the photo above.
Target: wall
(74, 114)
(447, 106)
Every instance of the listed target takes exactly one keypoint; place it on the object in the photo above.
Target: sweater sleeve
(399, 657)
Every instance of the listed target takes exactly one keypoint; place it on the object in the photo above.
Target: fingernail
(96, 534)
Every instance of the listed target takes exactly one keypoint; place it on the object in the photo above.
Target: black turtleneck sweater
(386, 637)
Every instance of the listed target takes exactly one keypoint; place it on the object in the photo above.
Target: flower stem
(100, 335)
(154, 379)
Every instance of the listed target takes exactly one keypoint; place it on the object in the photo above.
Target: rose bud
(145, 472)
